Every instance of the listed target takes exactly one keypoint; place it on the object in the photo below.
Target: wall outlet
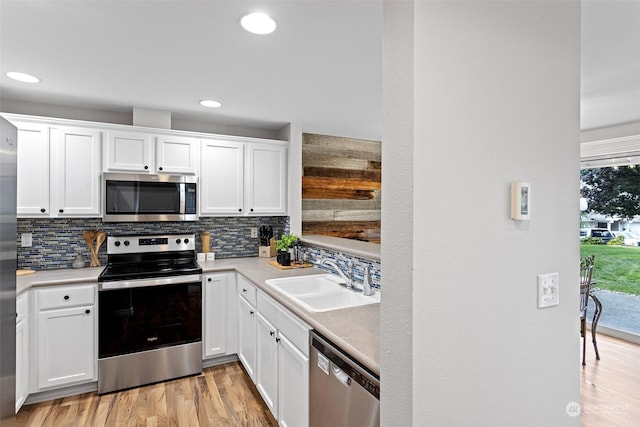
(548, 290)
(26, 240)
(254, 231)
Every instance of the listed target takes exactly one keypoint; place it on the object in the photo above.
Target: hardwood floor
(610, 387)
(224, 396)
(221, 396)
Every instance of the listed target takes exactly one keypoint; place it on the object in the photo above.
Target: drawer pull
(244, 291)
(87, 311)
(251, 312)
(271, 333)
(66, 297)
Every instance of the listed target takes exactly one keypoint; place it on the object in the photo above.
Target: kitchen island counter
(355, 330)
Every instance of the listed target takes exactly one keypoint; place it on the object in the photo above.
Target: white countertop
(355, 330)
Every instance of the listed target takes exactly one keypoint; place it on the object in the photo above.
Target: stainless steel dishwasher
(342, 392)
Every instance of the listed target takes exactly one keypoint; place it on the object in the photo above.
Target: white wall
(495, 99)
(293, 133)
(396, 251)
(126, 118)
(619, 131)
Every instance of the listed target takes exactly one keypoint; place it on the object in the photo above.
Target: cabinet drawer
(247, 290)
(22, 307)
(67, 296)
(296, 331)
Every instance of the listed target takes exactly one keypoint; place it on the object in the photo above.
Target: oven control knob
(117, 243)
(186, 241)
(178, 241)
(126, 243)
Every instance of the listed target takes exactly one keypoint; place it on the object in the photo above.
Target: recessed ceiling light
(210, 103)
(258, 23)
(23, 77)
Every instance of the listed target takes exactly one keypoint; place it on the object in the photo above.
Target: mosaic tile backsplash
(315, 255)
(56, 241)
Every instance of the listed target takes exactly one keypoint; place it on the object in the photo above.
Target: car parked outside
(630, 239)
(600, 233)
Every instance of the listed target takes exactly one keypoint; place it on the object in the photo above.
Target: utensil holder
(268, 251)
(205, 237)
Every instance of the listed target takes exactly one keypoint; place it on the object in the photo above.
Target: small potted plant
(283, 245)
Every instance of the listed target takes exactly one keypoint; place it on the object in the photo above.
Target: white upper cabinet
(75, 171)
(142, 152)
(222, 178)
(128, 152)
(58, 170)
(266, 174)
(243, 178)
(177, 154)
(33, 169)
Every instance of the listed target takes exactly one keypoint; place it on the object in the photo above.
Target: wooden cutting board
(24, 272)
(289, 267)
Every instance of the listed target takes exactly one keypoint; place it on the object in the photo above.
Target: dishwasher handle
(340, 375)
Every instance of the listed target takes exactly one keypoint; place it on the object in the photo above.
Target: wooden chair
(586, 274)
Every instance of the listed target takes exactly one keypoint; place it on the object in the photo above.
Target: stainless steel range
(149, 311)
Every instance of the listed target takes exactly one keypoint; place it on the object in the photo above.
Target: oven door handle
(157, 281)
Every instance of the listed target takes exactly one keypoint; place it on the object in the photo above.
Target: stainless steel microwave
(138, 198)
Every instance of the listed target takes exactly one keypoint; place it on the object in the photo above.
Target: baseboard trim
(58, 393)
(616, 333)
(91, 387)
(221, 360)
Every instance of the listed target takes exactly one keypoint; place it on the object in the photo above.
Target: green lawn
(617, 267)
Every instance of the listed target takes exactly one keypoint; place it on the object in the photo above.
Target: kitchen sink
(321, 292)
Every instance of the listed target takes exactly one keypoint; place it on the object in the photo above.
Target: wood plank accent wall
(341, 187)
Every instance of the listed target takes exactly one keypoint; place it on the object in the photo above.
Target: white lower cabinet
(246, 331)
(282, 373)
(22, 350)
(65, 336)
(219, 317)
(293, 379)
(267, 363)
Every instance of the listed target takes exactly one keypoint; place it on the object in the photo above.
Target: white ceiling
(321, 68)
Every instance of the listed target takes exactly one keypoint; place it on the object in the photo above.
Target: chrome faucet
(367, 289)
(348, 278)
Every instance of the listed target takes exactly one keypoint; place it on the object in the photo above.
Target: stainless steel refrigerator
(8, 261)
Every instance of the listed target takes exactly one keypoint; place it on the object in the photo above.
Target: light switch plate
(548, 290)
(254, 231)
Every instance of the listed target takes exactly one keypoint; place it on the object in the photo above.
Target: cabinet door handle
(146, 167)
(87, 311)
(209, 279)
(66, 297)
(239, 209)
(251, 312)
(244, 290)
(251, 209)
(271, 333)
(61, 210)
(277, 339)
(43, 210)
(160, 168)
